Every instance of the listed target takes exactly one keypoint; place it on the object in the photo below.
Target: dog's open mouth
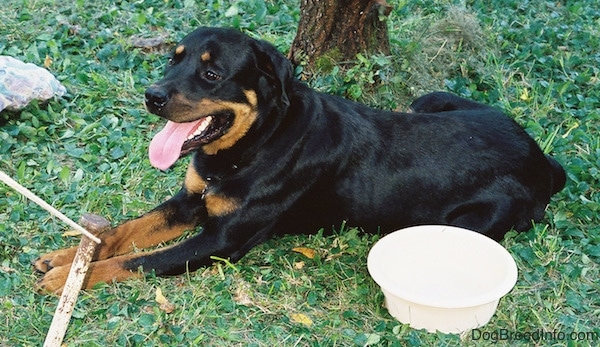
(178, 139)
(209, 129)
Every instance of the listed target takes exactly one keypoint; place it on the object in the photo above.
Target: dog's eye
(170, 62)
(211, 76)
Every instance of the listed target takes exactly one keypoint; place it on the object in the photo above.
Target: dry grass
(451, 44)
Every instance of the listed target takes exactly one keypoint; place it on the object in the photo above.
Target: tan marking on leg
(109, 270)
(147, 231)
(218, 205)
(54, 259)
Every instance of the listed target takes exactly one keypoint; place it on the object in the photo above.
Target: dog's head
(216, 89)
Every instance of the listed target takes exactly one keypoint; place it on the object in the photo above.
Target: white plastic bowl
(441, 278)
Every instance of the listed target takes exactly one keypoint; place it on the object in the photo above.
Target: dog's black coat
(312, 160)
(309, 160)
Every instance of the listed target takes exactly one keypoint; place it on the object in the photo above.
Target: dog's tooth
(201, 128)
(205, 124)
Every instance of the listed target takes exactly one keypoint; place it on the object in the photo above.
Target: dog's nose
(156, 97)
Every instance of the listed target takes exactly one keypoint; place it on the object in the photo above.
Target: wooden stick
(77, 273)
(19, 188)
(79, 267)
(64, 310)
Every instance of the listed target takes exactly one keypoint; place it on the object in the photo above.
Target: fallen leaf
(241, 295)
(7, 269)
(299, 265)
(160, 298)
(157, 43)
(71, 233)
(305, 251)
(372, 339)
(301, 319)
(47, 62)
(525, 95)
(163, 302)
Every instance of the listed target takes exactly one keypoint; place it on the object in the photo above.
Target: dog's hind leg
(493, 217)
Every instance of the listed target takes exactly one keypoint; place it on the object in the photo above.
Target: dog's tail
(559, 177)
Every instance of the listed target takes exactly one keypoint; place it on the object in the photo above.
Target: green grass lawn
(87, 152)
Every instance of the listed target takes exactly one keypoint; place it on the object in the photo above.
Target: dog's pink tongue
(165, 147)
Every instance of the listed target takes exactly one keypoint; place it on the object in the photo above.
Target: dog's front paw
(54, 280)
(55, 259)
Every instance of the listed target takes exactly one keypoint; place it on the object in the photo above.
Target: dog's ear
(275, 66)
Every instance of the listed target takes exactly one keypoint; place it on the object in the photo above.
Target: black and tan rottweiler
(271, 156)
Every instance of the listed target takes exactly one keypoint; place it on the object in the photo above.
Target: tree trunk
(340, 29)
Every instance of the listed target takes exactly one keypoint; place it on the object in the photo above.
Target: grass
(86, 152)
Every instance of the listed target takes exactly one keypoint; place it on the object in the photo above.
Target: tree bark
(340, 29)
